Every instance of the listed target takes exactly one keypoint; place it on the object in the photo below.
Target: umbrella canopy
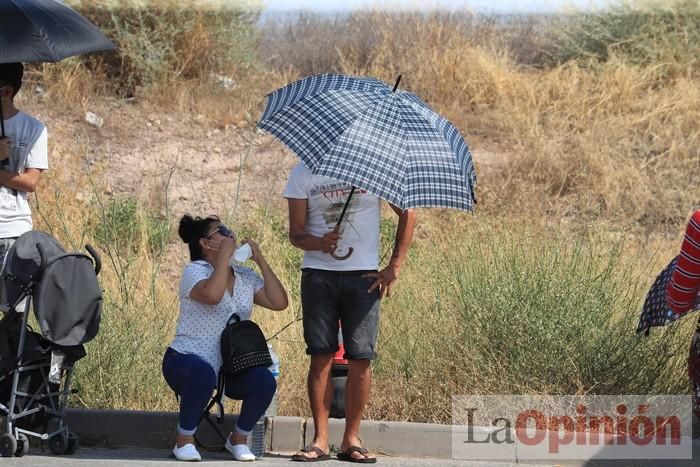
(388, 142)
(45, 31)
(656, 311)
(676, 290)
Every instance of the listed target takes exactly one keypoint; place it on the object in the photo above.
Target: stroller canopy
(64, 289)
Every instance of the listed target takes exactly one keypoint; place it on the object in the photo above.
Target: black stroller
(36, 367)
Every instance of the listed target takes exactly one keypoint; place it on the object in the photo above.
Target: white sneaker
(187, 453)
(240, 451)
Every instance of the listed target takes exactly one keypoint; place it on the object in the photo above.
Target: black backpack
(243, 346)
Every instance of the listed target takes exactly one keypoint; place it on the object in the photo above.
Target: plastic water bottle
(257, 437)
(242, 254)
(256, 441)
(275, 370)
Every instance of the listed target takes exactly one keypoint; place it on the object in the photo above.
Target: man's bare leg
(356, 395)
(320, 397)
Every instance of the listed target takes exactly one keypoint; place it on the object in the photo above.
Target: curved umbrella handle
(350, 250)
(346, 256)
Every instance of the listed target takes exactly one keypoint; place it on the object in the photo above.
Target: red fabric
(682, 290)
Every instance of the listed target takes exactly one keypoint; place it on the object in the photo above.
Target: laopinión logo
(572, 427)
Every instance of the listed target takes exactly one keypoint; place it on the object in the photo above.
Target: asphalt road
(95, 457)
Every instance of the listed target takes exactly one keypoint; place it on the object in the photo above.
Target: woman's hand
(226, 248)
(272, 295)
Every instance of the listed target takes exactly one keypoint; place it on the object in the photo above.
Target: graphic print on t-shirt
(336, 194)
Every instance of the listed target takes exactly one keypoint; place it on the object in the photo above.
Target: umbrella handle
(336, 229)
(345, 208)
(345, 256)
(396, 86)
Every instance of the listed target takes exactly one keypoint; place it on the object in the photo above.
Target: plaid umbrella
(389, 142)
(656, 311)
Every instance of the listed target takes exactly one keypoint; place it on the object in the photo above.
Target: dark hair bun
(187, 228)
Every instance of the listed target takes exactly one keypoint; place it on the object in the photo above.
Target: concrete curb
(135, 428)
(123, 428)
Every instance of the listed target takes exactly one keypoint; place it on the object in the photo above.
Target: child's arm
(26, 181)
(5, 148)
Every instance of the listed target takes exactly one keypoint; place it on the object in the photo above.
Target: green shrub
(160, 40)
(661, 33)
(490, 311)
(124, 225)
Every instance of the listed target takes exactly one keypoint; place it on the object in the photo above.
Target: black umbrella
(45, 31)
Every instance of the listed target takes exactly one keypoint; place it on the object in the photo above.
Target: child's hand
(5, 148)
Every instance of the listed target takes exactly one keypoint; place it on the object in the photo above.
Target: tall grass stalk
(499, 303)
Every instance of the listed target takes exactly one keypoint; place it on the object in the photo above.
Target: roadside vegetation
(595, 117)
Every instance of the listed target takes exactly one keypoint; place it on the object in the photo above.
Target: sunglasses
(223, 230)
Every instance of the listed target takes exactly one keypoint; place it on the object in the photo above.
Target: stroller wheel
(8, 445)
(22, 445)
(58, 443)
(72, 443)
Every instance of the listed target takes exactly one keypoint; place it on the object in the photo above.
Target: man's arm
(297, 229)
(26, 181)
(386, 278)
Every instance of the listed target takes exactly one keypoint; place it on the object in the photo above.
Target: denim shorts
(331, 296)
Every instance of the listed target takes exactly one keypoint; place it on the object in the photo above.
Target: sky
(485, 6)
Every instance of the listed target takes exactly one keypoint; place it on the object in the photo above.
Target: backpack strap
(216, 400)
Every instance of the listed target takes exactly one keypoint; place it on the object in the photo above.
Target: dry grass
(599, 153)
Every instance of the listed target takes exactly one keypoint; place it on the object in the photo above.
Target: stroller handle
(96, 257)
(89, 248)
(42, 256)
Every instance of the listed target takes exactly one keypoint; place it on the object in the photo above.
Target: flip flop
(347, 455)
(320, 455)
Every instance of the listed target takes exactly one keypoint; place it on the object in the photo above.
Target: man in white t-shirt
(341, 281)
(23, 157)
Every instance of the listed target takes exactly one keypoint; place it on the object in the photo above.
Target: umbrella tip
(396, 86)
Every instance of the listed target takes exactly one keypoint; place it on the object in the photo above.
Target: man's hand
(5, 148)
(329, 241)
(384, 279)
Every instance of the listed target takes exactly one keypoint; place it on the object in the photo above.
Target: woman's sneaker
(186, 453)
(240, 451)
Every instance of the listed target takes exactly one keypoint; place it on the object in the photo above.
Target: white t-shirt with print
(29, 150)
(199, 326)
(359, 230)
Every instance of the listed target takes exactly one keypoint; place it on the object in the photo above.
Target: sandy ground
(202, 168)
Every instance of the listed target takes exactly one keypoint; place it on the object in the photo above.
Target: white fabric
(186, 453)
(29, 150)
(240, 452)
(359, 229)
(199, 326)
